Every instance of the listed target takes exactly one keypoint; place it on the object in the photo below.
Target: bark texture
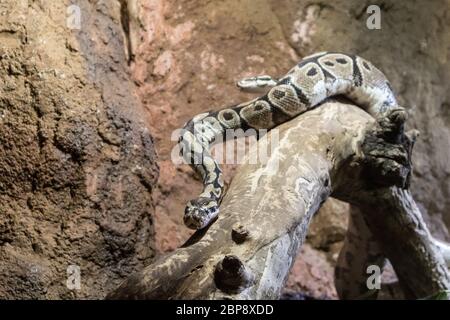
(77, 164)
(392, 215)
(270, 206)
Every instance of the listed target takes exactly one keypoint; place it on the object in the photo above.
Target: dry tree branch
(336, 149)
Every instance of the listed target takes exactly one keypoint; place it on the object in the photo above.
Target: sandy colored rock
(329, 225)
(312, 275)
(62, 156)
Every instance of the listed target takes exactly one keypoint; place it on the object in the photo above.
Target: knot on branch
(231, 276)
(239, 233)
(387, 151)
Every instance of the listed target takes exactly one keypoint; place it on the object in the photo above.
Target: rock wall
(77, 163)
(192, 52)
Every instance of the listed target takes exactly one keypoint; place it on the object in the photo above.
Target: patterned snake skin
(309, 83)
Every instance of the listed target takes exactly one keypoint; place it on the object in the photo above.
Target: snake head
(200, 212)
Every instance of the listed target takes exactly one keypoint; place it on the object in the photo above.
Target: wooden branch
(390, 212)
(395, 220)
(359, 252)
(248, 251)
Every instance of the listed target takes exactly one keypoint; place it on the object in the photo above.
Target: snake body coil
(309, 83)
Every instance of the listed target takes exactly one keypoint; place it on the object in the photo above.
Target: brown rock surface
(77, 164)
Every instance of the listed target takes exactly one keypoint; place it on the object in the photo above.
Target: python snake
(316, 78)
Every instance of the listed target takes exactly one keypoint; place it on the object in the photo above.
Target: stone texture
(312, 275)
(192, 52)
(77, 163)
(329, 225)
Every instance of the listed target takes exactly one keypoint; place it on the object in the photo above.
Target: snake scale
(314, 79)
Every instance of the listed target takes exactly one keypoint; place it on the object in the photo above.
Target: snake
(309, 83)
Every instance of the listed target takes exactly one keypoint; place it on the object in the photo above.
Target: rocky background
(192, 53)
(84, 113)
